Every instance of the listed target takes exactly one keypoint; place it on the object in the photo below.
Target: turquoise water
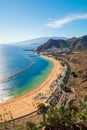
(12, 60)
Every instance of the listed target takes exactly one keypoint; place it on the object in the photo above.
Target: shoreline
(31, 90)
(25, 103)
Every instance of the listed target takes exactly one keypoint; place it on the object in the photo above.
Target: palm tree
(42, 109)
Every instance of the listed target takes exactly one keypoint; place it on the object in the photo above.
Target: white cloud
(59, 23)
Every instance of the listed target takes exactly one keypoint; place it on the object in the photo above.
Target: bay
(15, 79)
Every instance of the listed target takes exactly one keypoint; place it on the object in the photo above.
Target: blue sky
(27, 19)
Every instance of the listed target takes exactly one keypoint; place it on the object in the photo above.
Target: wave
(17, 73)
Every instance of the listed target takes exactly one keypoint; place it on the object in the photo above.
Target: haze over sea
(17, 76)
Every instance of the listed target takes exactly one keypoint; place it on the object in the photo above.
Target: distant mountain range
(39, 41)
(72, 44)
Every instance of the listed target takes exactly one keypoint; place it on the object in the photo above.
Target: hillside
(78, 63)
(73, 44)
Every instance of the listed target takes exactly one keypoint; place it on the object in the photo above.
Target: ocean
(18, 74)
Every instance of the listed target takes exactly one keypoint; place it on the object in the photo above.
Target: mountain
(39, 41)
(52, 44)
(76, 44)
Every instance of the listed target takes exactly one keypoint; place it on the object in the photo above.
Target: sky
(27, 19)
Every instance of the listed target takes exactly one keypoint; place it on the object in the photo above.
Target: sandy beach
(25, 104)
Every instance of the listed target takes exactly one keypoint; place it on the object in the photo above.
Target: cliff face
(74, 43)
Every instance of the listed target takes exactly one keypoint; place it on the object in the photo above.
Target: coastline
(25, 104)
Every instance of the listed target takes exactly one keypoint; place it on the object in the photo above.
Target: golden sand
(25, 104)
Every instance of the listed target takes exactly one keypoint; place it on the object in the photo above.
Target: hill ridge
(75, 44)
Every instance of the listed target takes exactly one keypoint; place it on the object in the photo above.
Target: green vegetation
(63, 85)
(67, 116)
(67, 74)
(31, 126)
(64, 88)
(42, 109)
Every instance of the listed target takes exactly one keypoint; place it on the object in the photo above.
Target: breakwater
(17, 73)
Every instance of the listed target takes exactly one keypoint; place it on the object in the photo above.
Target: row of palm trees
(67, 117)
